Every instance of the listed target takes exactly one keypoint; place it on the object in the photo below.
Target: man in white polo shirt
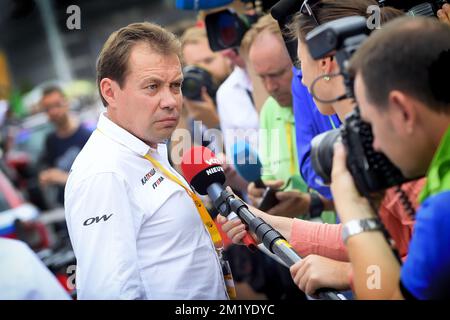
(137, 233)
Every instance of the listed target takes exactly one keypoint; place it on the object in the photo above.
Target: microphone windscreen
(201, 168)
(246, 161)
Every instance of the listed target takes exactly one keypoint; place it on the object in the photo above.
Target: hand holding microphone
(203, 171)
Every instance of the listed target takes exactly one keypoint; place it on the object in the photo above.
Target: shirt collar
(123, 137)
(438, 176)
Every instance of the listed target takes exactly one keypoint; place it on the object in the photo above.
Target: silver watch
(354, 227)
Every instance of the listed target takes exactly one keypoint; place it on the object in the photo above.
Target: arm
(306, 237)
(103, 226)
(376, 271)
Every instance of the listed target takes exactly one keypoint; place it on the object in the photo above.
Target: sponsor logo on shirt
(97, 219)
(158, 182)
(147, 177)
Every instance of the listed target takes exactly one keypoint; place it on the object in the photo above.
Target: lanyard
(290, 145)
(208, 222)
(204, 215)
(332, 123)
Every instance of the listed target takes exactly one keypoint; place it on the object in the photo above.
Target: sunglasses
(306, 9)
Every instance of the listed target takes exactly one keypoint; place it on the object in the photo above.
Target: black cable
(406, 203)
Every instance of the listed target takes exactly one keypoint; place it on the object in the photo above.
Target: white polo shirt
(239, 119)
(136, 233)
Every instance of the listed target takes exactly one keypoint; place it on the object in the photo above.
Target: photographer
(277, 146)
(196, 51)
(408, 106)
(322, 242)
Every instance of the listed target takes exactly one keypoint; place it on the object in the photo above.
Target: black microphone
(207, 177)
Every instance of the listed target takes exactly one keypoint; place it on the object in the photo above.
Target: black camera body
(194, 79)
(372, 171)
(226, 28)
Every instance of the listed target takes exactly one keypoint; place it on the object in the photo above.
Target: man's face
(56, 107)
(200, 54)
(389, 131)
(272, 64)
(149, 103)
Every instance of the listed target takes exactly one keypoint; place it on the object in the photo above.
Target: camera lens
(195, 78)
(191, 88)
(228, 27)
(322, 153)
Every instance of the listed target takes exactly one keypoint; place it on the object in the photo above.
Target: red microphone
(204, 173)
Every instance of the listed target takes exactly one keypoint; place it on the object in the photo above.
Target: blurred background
(52, 43)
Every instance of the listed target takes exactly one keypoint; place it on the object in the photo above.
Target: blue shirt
(309, 122)
(426, 272)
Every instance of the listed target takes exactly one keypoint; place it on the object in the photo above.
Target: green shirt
(278, 149)
(438, 176)
(277, 145)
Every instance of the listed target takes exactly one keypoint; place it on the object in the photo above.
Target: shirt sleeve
(306, 129)
(323, 239)
(103, 223)
(425, 274)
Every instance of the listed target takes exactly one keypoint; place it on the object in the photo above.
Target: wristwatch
(354, 227)
(315, 206)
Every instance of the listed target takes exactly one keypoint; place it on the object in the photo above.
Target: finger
(286, 195)
(294, 268)
(274, 184)
(339, 161)
(238, 237)
(252, 190)
(446, 9)
(236, 228)
(205, 96)
(221, 219)
(311, 286)
(229, 225)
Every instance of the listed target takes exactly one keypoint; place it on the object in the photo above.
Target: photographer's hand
(366, 250)
(315, 272)
(204, 111)
(444, 14)
(347, 200)
(292, 204)
(255, 194)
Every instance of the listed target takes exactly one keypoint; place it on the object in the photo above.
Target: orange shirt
(326, 239)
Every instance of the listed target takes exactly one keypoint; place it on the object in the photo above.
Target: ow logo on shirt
(90, 221)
